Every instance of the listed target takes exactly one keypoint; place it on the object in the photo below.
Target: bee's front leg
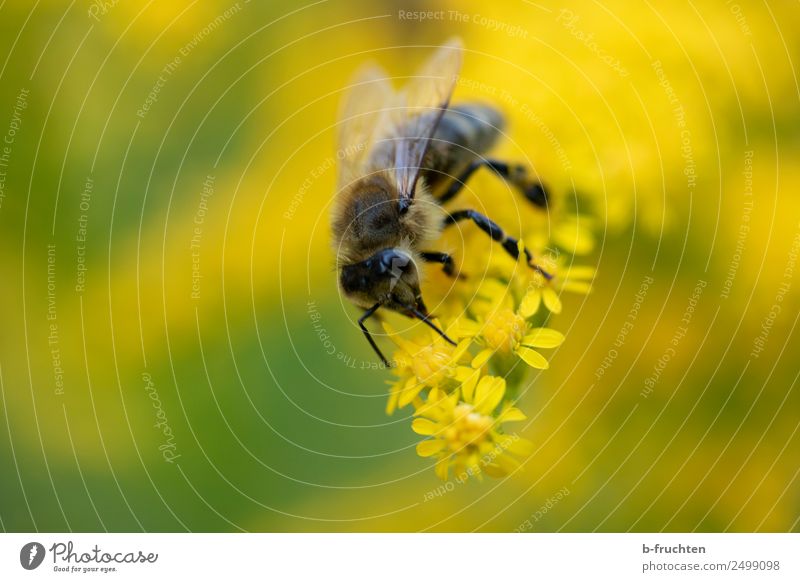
(446, 260)
(366, 315)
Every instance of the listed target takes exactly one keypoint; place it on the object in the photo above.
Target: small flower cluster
(464, 395)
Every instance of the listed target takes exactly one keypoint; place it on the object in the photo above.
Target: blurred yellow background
(175, 354)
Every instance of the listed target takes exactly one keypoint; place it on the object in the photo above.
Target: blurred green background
(175, 355)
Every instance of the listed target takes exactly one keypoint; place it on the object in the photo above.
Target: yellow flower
(428, 361)
(504, 330)
(532, 287)
(457, 404)
(536, 289)
(465, 432)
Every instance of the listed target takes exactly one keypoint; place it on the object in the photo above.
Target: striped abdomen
(465, 133)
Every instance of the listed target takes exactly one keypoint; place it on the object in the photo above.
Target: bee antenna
(424, 318)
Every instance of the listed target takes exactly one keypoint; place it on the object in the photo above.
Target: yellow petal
(402, 361)
(465, 328)
(543, 337)
(459, 468)
(581, 287)
(482, 357)
(410, 391)
(474, 466)
(431, 408)
(442, 465)
(451, 401)
(399, 340)
(512, 414)
(430, 447)
(391, 405)
(519, 446)
(531, 357)
(435, 395)
(468, 386)
(425, 427)
(461, 373)
(489, 393)
(530, 303)
(461, 348)
(486, 448)
(579, 272)
(551, 300)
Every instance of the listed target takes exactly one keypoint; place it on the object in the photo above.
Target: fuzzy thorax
(367, 219)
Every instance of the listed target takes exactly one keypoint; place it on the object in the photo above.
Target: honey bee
(403, 155)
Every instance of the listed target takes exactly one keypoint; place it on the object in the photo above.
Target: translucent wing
(364, 111)
(417, 111)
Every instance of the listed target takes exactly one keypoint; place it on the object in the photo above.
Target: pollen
(503, 330)
(432, 363)
(468, 429)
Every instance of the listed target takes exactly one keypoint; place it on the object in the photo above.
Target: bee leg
(516, 175)
(448, 266)
(367, 314)
(509, 243)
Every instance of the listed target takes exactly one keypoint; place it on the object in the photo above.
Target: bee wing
(365, 110)
(417, 111)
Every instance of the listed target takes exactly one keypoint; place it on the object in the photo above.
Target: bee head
(389, 277)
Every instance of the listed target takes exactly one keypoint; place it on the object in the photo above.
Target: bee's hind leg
(509, 243)
(514, 174)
